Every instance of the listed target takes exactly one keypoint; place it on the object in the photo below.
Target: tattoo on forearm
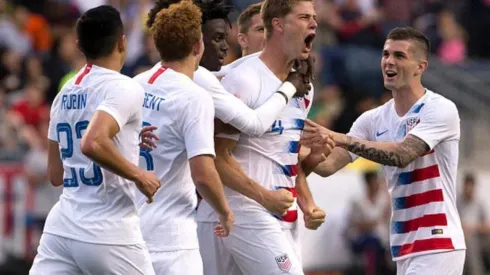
(410, 149)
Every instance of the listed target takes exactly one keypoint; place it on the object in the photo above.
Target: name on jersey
(73, 101)
(152, 102)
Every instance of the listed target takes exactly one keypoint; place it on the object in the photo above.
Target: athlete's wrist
(288, 90)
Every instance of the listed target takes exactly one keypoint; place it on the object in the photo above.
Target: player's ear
(122, 44)
(277, 25)
(198, 48)
(78, 46)
(242, 40)
(422, 66)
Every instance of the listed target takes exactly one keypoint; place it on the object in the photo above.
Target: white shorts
(247, 251)
(59, 255)
(179, 262)
(444, 263)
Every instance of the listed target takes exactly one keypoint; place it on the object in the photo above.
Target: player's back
(270, 159)
(171, 103)
(96, 206)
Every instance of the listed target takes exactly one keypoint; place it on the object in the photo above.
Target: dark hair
(211, 9)
(98, 31)
(245, 19)
(176, 30)
(409, 33)
(370, 176)
(214, 9)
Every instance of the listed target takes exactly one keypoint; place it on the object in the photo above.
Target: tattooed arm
(399, 154)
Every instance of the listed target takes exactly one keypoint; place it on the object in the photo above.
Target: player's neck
(186, 66)
(109, 62)
(276, 60)
(405, 98)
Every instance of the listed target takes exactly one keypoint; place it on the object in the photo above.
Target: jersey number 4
(68, 153)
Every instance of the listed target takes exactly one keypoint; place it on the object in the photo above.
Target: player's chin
(304, 55)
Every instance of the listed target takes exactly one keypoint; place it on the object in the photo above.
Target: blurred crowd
(38, 54)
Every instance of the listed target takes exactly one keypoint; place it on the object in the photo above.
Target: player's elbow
(55, 177)
(89, 147)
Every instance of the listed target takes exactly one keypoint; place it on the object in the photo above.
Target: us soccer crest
(283, 262)
(411, 123)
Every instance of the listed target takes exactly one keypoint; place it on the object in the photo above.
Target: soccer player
(261, 242)
(415, 136)
(183, 112)
(230, 109)
(251, 35)
(93, 152)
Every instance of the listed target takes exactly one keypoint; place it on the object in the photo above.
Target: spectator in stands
(10, 70)
(452, 49)
(35, 27)
(476, 226)
(368, 230)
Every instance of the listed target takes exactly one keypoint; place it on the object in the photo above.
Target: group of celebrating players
(239, 135)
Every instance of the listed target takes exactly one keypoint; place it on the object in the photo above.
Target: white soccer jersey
(424, 218)
(184, 115)
(272, 159)
(96, 206)
(233, 111)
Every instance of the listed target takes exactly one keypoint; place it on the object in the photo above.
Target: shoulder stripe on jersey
(154, 77)
(88, 67)
(417, 108)
(419, 175)
(422, 245)
(418, 199)
(401, 227)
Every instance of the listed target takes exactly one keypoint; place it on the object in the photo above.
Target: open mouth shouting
(309, 41)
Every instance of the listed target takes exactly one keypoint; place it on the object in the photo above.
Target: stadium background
(38, 54)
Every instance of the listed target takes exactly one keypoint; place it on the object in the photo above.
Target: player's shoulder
(205, 79)
(439, 102)
(246, 70)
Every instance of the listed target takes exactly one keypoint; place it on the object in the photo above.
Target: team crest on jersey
(411, 123)
(283, 262)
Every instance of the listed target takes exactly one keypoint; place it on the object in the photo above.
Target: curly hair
(211, 9)
(176, 30)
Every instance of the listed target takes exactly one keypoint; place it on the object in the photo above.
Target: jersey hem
(77, 238)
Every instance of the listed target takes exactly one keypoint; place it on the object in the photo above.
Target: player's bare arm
(326, 166)
(55, 166)
(208, 184)
(232, 175)
(97, 144)
(398, 154)
(313, 215)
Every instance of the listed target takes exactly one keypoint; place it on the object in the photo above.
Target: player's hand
(301, 77)
(148, 183)
(320, 138)
(148, 138)
(314, 217)
(224, 226)
(222, 128)
(278, 201)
